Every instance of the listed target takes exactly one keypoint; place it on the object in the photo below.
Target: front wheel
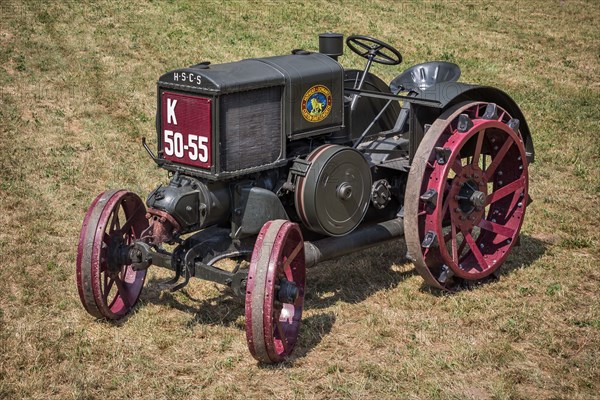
(108, 288)
(275, 291)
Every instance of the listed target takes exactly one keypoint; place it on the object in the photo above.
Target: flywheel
(333, 196)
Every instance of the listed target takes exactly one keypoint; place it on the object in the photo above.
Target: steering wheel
(371, 48)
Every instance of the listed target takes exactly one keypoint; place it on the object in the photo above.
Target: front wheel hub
(117, 254)
(288, 291)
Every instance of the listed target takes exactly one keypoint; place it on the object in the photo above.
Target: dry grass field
(78, 93)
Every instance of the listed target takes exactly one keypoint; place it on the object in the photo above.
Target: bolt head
(478, 198)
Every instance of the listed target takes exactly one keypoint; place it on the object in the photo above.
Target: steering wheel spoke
(366, 47)
(383, 55)
(374, 49)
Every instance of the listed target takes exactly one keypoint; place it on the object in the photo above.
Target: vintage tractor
(279, 163)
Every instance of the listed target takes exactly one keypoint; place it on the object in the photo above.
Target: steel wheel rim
(107, 292)
(503, 187)
(272, 328)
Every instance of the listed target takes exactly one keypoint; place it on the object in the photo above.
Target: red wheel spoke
(282, 336)
(445, 209)
(131, 220)
(448, 235)
(497, 159)
(514, 206)
(512, 187)
(108, 285)
(277, 309)
(454, 249)
(122, 291)
(102, 265)
(496, 228)
(457, 166)
(461, 247)
(115, 223)
(476, 252)
(477, 152)
(105, 279)
(298, 302)
(126, 226)
(464, 241)
(286, 267)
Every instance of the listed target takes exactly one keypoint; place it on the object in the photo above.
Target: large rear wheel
(466, 195)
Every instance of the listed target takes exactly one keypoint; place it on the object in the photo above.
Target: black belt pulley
(333, 197)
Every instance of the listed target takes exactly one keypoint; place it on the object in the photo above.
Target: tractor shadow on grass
(520, 257)
(223, 309)
(350, 279)
(354, 278)
(228, 310)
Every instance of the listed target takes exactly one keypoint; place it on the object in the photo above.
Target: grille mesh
(251, 133)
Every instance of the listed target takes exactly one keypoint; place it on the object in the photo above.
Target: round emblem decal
(316, 103)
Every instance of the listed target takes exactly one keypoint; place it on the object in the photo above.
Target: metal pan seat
(422, 76)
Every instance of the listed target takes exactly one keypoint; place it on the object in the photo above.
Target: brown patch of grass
(77, 94)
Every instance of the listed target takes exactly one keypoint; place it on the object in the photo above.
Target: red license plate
(186, 129)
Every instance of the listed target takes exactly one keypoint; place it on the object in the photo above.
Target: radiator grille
(251, 133)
